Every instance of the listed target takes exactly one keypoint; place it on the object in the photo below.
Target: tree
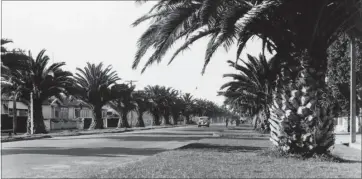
(338, 73)
(144, 104)
(188, 106)
(123, 103)
(11, 85)
(160, 95)
(300, 30)
(94, 85)
(176, 105)
(42, 80)
(251, 88)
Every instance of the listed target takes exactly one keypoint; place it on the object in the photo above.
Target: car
(203, 121)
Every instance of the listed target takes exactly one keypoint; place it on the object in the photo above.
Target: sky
(95, 31)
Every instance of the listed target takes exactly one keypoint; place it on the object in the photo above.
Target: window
(23, 112)
(77, 113)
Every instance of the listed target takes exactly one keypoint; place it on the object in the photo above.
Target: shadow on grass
(272, 152)
(244, 138)
(221, 148)
(92, 152)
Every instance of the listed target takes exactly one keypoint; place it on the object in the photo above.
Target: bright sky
(95, 31)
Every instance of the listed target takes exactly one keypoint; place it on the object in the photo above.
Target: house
(58, 114)
(7, 115)
(341, 124)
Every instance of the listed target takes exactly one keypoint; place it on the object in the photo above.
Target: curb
(25, 138)
(79, 133)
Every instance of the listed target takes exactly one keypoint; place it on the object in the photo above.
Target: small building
(342, 123)
(68, 113)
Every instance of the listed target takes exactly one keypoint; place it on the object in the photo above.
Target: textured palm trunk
(167, 119)
(97, 122)
(299, 122)
(140, 122)
(187, 119)
(39, 126)
(14, 113)
(175, 117)
(123, 122)
(156, 119)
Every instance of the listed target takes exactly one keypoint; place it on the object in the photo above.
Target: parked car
(203, 121)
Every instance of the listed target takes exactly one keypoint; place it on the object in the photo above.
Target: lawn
(236, 155)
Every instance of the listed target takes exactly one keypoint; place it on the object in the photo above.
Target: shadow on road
(93, 152)
(222, 148)
(138, 138)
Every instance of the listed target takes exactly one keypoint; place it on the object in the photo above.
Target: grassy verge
(237, 155)
(76, 133)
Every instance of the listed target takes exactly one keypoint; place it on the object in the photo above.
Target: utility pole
(31, 114)
(353, 90)
(130, 81)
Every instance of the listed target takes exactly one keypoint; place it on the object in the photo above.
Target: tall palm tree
(252, 87)
(3, 42)
(160, 95)
(144, 104)
(299, 30)
(42, 80)
(94, 86)
(188, 103)
(123, 103)
(11, 85)
(176, 105)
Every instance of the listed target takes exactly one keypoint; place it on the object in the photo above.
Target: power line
(130, 82)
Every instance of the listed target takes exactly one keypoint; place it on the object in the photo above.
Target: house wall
(342, 124)
(4, 110)
(47, 111)
(63, 125)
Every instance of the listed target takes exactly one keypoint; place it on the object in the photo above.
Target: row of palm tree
(96, 85)
(297, 32)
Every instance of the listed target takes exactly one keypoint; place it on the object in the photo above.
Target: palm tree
(176, 106)
(298, 30)
(43, 81)
(144, 104)
(160, 95)
(188, 103)
(123, 103)
(3, 42)
(94, 86)
(252, 87)
(11, 85)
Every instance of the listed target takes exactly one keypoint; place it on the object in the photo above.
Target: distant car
(203, 121)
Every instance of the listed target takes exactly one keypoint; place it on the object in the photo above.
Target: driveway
(82, 156)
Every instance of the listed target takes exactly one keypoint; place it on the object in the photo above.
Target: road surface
(84, 156)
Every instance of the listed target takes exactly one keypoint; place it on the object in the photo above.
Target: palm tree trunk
(156, 119)
(175, 118)
(14, 113)
(167, 119)
(299, 122)
(187, 119)
(123, 122)
(39, 126)
(140, 122)
(97, 122)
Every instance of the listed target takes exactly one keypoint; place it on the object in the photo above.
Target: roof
(19, 105)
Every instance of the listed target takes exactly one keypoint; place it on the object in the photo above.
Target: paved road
(82, 156)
